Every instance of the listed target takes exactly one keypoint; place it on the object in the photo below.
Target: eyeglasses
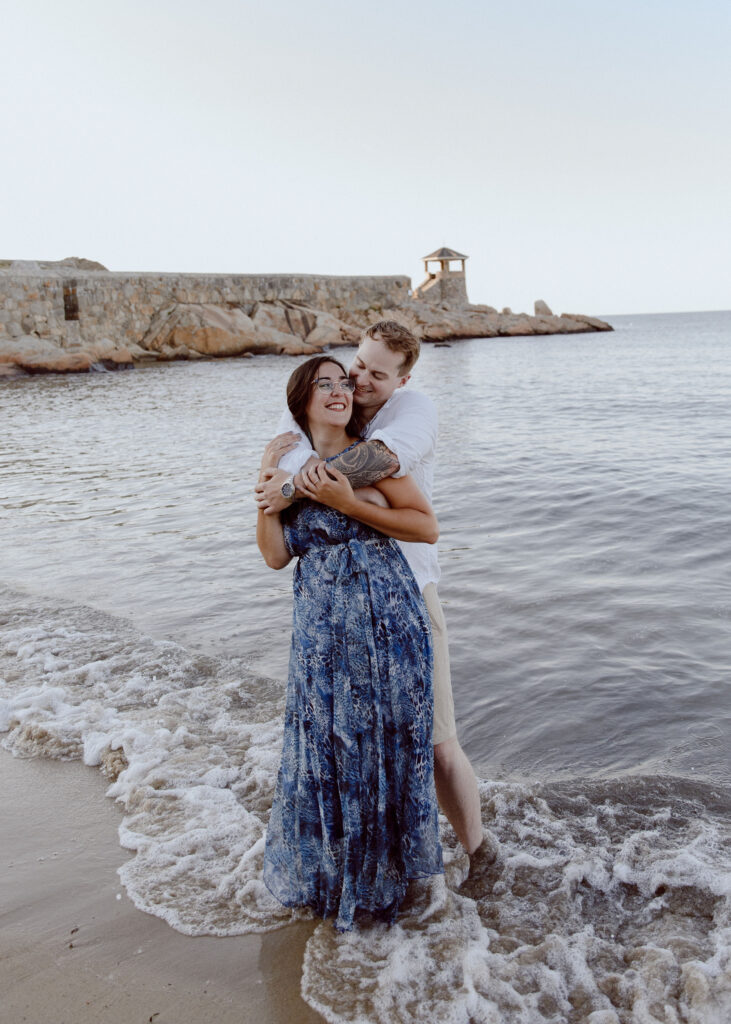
(325, 384)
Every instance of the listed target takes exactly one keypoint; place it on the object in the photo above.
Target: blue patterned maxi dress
(355, 812)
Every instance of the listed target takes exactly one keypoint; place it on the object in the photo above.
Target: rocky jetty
(434, 323)
(73, 316)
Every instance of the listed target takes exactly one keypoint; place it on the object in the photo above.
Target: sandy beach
(73, 948)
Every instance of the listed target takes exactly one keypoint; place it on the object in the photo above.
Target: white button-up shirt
(408, 425)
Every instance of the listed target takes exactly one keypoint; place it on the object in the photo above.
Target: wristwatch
(287, 489)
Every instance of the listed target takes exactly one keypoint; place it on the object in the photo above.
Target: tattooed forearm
(367, 463)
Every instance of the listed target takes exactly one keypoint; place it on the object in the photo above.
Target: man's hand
(277, 447)
(268, 491)
(327, 485)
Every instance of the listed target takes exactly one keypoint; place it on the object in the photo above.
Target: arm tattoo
(367, 463)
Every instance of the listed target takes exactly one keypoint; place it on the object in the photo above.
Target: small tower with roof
(445, 286)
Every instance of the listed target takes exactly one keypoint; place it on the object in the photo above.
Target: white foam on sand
(610, 902)
(597, 911)
(191, 743)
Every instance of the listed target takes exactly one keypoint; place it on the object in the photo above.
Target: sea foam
(610, 901)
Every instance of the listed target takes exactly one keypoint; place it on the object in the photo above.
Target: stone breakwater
(57, 318)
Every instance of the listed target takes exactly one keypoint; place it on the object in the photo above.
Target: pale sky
(578, 152)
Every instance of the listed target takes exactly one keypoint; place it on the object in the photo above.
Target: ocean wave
(610, 900)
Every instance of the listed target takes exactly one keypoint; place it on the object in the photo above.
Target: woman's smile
(330, 393)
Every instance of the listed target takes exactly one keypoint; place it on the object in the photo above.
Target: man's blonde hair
(398, 338)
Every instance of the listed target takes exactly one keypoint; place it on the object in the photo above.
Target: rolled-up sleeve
(409, 428)
(293, 461)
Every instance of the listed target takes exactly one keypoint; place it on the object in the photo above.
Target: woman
(355, 813)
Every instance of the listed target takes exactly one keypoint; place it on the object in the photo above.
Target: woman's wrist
(347, 506)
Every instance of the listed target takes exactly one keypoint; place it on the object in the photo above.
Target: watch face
(288, 489)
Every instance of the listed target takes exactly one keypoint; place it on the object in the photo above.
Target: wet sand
(75, 950)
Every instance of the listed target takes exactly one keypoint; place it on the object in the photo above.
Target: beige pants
(445, 726)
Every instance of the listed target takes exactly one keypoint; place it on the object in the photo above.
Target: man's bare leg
(457, 793)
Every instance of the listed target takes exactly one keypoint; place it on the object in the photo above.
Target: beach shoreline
(74, 948)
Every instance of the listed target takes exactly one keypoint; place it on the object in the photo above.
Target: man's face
(376, 372)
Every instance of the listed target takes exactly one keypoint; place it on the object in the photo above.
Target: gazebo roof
(445, 254)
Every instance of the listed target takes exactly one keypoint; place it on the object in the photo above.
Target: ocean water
(584, 499)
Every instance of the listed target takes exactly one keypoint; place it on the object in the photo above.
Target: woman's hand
(329, 486)
(277, 447)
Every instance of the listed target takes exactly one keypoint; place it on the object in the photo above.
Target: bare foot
(484, 869)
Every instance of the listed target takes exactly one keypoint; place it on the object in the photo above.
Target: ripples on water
(584, 498)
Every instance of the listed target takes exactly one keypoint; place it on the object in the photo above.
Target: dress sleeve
(409, 429)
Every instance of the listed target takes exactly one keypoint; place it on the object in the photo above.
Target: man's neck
(368, 414)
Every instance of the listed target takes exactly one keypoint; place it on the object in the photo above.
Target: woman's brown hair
(299, 392)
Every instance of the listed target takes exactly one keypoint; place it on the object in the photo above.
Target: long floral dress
(355, 812)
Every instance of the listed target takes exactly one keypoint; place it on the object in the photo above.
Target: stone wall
(447, 289)
(72, 306)
(68, 318)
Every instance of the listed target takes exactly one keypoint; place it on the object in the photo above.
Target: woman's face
(329, 407)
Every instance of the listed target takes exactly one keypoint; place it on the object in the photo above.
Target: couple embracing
(370, 739)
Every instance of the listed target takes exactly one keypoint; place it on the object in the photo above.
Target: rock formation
(30, 354)
(432, 323)
(33, 266)
(74, 316)
(193, 330)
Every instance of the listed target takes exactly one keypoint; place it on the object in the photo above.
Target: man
(401, 433)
